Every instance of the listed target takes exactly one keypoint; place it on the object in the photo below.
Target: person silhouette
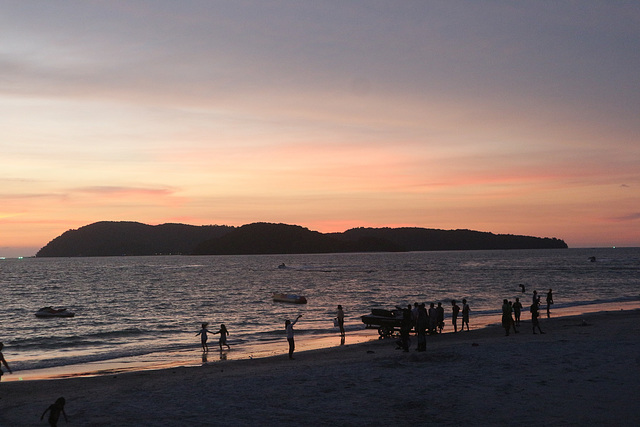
(223, 336)
(535, 322)
(440, 314)
(465, 314)
(340, 318)
(3, 361)
(506, 316)
(517, 310)
(549, 302)
(203, 336)
(288, 325)
(422, 323)
(455, 309)
(55, 410)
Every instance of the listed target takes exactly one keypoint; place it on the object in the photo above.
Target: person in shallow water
(203, 336)
(223, 336)
(3, 361)
(288, 325)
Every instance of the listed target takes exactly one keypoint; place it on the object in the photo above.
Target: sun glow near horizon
(427, 114)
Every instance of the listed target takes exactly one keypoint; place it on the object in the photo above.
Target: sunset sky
(508, 117)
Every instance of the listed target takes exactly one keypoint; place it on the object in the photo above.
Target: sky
(499, 116)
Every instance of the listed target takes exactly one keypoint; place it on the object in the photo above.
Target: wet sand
(572, 375)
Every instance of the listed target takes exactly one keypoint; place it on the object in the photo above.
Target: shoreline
(195, 357)
(572, 375)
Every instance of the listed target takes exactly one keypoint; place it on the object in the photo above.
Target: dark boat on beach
(386, 321)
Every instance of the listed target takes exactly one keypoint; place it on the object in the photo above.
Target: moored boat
(290, 298)
(54, 312)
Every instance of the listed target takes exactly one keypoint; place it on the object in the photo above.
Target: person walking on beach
(288, 325)
(203, 336)
(340, 317)
(223, 336)
(517, 310)
(55, 410)
(535, 322)
(3, 361)
(455, 309)
(549, 302)
(465, 314)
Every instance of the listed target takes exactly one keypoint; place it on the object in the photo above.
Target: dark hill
(265, 238)
(129, 238)
(424, 239)
(133, 238)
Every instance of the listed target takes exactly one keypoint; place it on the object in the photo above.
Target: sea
(136, 313)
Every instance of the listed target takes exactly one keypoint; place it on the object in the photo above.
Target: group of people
(429, 321)
(514, 309)
(203, 332)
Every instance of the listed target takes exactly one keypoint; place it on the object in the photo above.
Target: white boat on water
(54, 312)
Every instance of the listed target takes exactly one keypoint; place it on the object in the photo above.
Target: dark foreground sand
(573, 375)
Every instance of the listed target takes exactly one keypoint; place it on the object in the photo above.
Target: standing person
(535, 322)
(422, 323)
(405, 328)
(506, 316)
(455, 309)
(55, 410)
(203, 336)
(440, 313)
(549, 302)
(340, 317)
(465, 313)
(536, 298)
(288, 325)
(3, 362)
(513, 323)
(433, 319)
(223, 336)
(517, 310)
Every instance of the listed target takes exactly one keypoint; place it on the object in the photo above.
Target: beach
(584, 369)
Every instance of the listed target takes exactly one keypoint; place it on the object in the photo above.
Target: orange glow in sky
(519, 118)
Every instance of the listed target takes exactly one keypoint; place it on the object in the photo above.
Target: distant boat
(290, 298)
(592, 259)
(53, 312)
(282, 266)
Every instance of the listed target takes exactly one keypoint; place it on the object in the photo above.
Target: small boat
(282, 266)
(290, 298)
(386, 321)
(54, 312)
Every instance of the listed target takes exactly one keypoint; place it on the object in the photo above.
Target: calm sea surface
(136, 306)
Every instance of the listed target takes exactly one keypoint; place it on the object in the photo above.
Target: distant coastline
(108, 238)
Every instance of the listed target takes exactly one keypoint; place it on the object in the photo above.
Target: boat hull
(289, 298)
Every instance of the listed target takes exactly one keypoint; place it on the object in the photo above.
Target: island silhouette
(124, 238)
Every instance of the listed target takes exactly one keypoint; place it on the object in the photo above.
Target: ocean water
(142, 307)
